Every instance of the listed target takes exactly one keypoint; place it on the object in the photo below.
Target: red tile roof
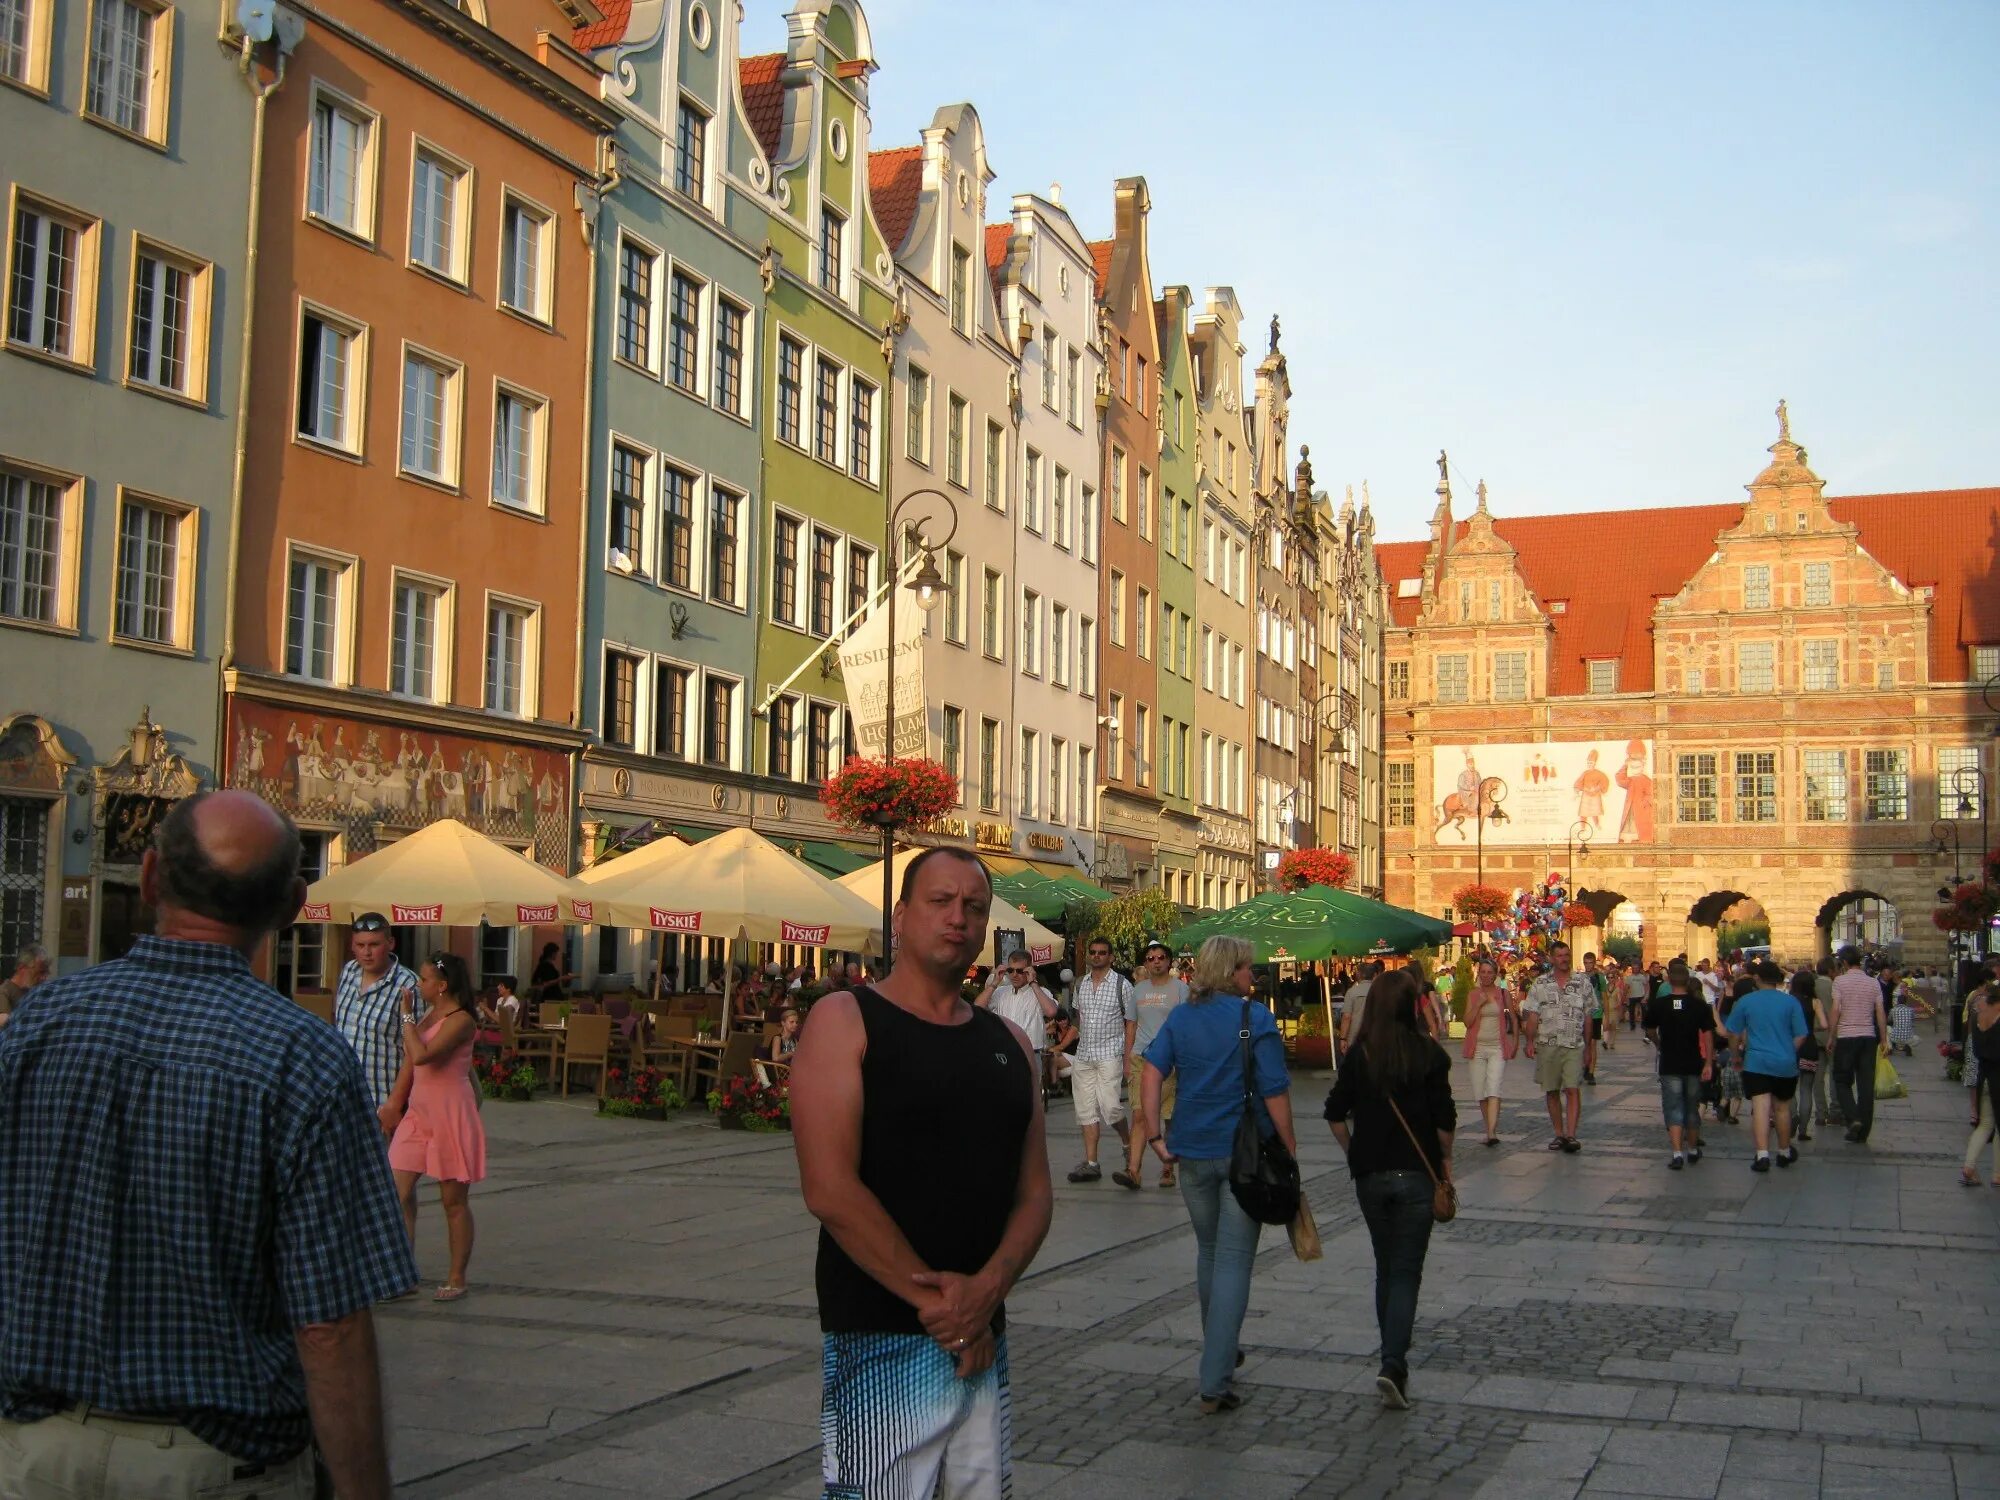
(763, 98)
(1612, 566)
(998, 236)
(607, 32)
(895, 181)
(1100, 264)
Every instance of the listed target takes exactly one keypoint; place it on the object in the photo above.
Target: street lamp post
(1975, 778)
(929, 587)
(1942, 829)
(1491, 789)
(1577, 843)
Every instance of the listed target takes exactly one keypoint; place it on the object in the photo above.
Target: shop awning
(830, 859)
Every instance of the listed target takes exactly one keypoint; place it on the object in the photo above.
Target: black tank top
(944, 1113)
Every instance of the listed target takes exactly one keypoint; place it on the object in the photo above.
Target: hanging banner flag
(864, 664)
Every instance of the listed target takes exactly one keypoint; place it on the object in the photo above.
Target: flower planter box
(1312, 1052)
(509, 1092)
(636, 1112)
(731, 1122)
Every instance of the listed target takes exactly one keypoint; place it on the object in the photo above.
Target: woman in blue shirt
(1200, 1046)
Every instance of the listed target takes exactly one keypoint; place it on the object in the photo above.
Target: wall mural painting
(369, 776)
(1545, 790)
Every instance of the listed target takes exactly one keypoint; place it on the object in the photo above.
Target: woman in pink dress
(440, 1134)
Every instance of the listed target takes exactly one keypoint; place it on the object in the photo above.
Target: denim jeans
(1226, 1249)
(1397, 1207)
(1680, 1099)
(1854, 1065)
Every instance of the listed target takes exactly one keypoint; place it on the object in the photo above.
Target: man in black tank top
(918, 1125)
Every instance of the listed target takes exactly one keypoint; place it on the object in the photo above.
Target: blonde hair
(1216, 965)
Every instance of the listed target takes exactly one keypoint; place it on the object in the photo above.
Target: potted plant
(911, 793)
(1481, 903)
(745, 1104)
(507, 1077)
(640, 1094)
(1576, 914)
(1311, 1046)
(1299, 868)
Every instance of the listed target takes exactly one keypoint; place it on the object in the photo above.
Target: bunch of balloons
(1534, 922)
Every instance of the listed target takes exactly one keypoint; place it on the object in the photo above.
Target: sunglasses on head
(370, 922)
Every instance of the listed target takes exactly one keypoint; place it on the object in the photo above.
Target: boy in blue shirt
(1771, 1025)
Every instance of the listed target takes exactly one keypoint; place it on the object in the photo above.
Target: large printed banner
(864, 665)
(1545, 790)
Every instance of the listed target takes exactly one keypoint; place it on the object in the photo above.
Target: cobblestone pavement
(642, 1322)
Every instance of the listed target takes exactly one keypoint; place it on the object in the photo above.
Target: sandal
(1167, 1178)
(1967, 1177)
(448, 1293)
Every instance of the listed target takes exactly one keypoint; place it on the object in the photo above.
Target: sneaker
(1591, 1079)
(1125, 1179)
(1694, 1156)
(1395, 1391)
(1227, 1401)
(1805, 1135)
(1572, 1145)
(1789, 1155)
(1761, 1164)
(1676, 1162)
(1087, 1171)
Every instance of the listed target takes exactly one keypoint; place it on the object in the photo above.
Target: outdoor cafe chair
(773, 1074)
(319, 1004)
(586, 1044)
(712, 1069)
(549, 1014)
(530, 1046)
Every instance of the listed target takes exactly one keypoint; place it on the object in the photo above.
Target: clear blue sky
(1586, 248)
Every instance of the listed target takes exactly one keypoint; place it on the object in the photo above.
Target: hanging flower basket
(1299, 868)
(1576, 914)
(1481, 903)
(899, 794)
(1972, 905)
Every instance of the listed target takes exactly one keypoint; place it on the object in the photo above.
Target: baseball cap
(1156, 943)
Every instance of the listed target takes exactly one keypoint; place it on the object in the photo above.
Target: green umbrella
(1317, 922)
(1046, 898)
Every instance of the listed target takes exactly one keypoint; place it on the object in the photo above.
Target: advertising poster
(1545, 791)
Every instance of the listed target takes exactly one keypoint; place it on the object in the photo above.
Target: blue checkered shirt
(190, 1170)
(370, 1016)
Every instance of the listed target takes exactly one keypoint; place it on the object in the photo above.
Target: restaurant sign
(998, 837)
(813, 934)
(1048, 843)
(416, 916)
(674, 921)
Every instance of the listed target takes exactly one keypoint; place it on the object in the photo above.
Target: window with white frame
(419, 627)
(1031, 632)
(1510, 676)
(673, 705)
(437, 213)
(1756, 667)
(1756, 786)
(1059, 645)
(1086, 522)
(1143, 492)
(24, 43)
(625, 529)
(1142, 621)
(1818, 585)
(677, 516)
(1058, 782)
(1114, 741)
(787, 534)
(153, 598)
(1960, 787)
(955, 601)
(1117, 484)
(1696, 796)
(989, 765)
(951, 746)
(520, 439)
(638, 277)
(690, 149)
(1059, 493)
(1826, 786)
(725, 519)
(961, 289)
(826, 410)
(1453, 677)
(719, 697)
(1084, 808)
(917, 416)
(860, 577)
(1028, 773)
(509, 645)
(992, 616)
(315, 603)
(35, 548)
(781, 733)
(860, 428)
(1820, 665)
(1985, 663)
(1887, 789)
(1757, 586)
(1603, 674)
(430, 417)
(619, 719)
(130, 47)
(1031, 490)
(525, 245)
(1073, 386)
(832, 234)
(1142, 744)
(957, 438)
(823, 598)
(996, 494)
(732, 321)
(52, 290)
(684, 332)
(822, 741)
(791, 407)
(340, 180)
(168, 346)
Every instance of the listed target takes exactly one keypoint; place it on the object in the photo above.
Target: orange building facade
(403, 637)
(1787, 702)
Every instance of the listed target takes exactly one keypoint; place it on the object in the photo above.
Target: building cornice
(291, 692)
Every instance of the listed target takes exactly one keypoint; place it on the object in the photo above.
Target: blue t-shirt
(1771, 1021)
(1199, 1045)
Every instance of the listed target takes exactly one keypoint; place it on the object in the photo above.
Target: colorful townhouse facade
(1223, 703)
(128, 134)
(404, 637)
(1280, 799)
(1177, 861)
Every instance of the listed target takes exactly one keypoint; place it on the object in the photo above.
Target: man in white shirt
(1107, 1016)
(1355, 1003)
(1556, 1014)
(1011, 991)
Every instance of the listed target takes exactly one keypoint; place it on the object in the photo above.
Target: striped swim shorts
(897, 1423)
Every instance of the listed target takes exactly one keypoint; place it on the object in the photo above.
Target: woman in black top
(1394, 1059)
(548, 978)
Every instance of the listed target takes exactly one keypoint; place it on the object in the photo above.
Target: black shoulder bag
(1262, 1173)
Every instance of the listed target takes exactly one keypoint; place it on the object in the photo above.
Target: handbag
(1262, 1173)
(1444, 1197)
(1304, 1232)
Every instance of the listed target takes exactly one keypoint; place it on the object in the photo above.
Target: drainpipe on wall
(590, 205)
(260, 94)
